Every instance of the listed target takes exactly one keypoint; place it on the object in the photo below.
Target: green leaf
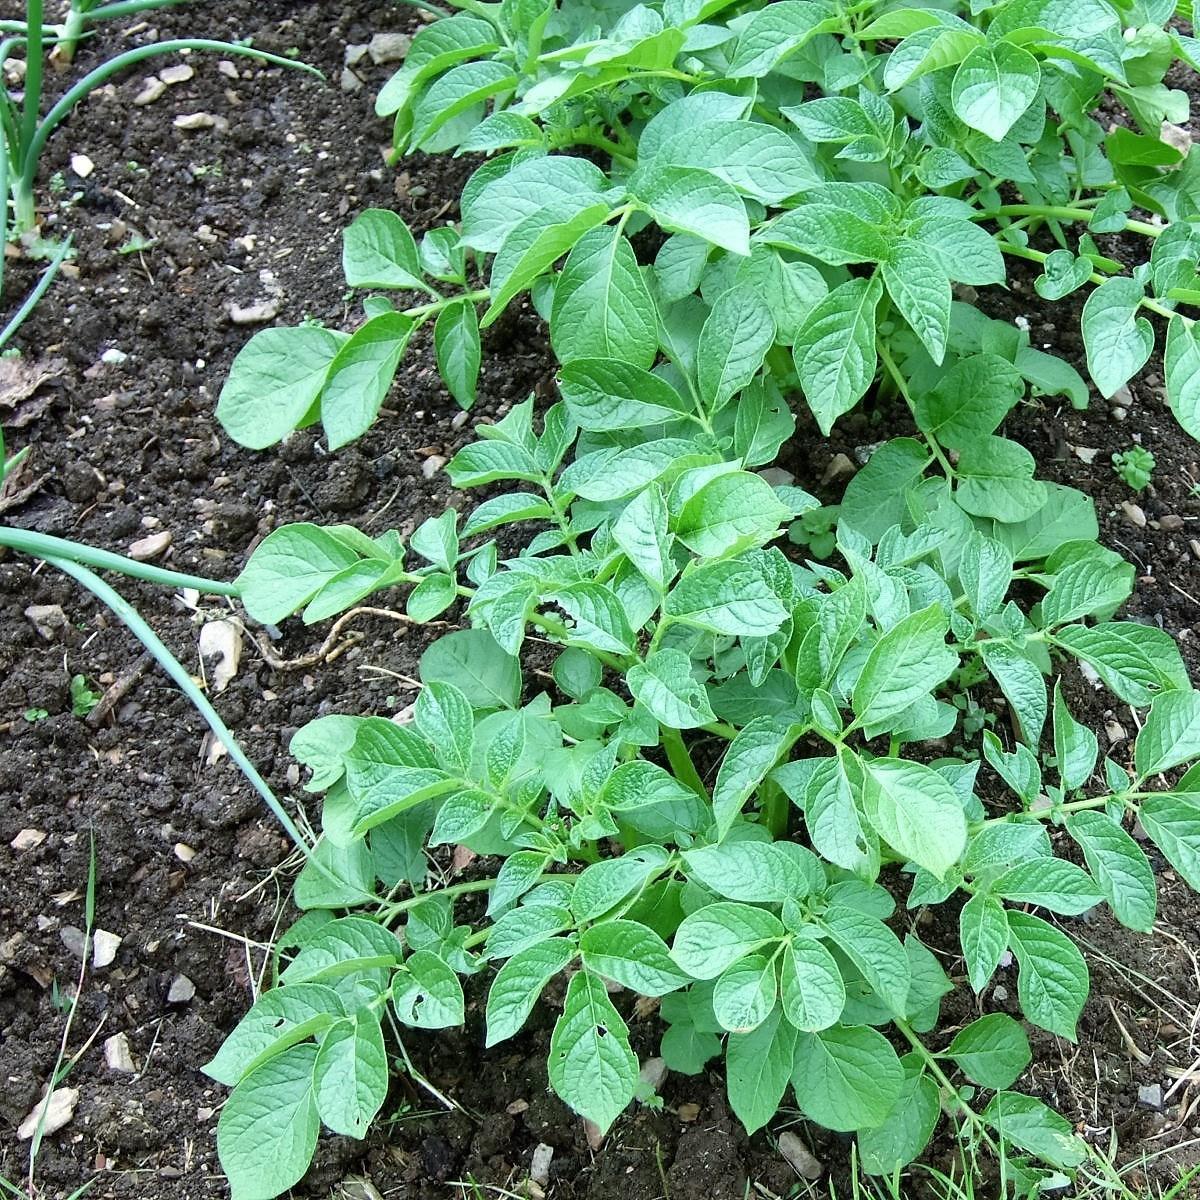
(1182, 366)
(642, 533)
(756, 872)
(456, 344)
(846, 1077)
(591, 1065)
(279, 1018)
(274, 382)
(730, 597)
(519, 983)
(342, 947)
(758, 1066)
(747, 762)
(688, 200)
(1171, 733)
(605, 884)
(983, 933)
(665, 685)
(426, 993)
(757, 159)
(745, 993)
(378, 251)
(874, 499)
(459, 89)
(830, 233)
(729, 514)
(773, 33)
(268, 1128)
(1052, 984)
(916, 811)
(288, 568)
(632, 955)
(906, 1130)
(733, 343)
(470, 660)
(811, 986)
(1075, 746)
(993, 87)
(985, 572)
(1119, 866)
(443, 716)
(970, 400)
(1031, 1125)
(1062, 274)
(835, 349)
(995, 479)
(1067, 515)
(1022, 685)
(1135, 661)
(605, 394)
(602, 306)
(992, 1051)
(717, 935)
(874, 949)
(1117, 340)
(920, 290)
(1051, 883)
(531, 248)
(361, 375)
(350, 1075)
(1173, 823)
(908, 662)
(434, 49)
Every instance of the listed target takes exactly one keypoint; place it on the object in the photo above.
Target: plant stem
(681, 762)
(1055, 213)
(775, 808)
(459, 889)
(34, 68)
(43, 545)
(1153, 306)
(902, 386)
(1044, 814)
(425, 310)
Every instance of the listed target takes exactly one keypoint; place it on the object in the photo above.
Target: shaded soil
(189, 873)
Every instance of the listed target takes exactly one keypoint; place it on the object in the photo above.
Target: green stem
(902, 386)
(1038, 256)
(34, 69)
(681, 762)
(42, 545)
(775, 808)
(389, 912)
(1092, 802)
(425, 310)
(1057, 213)
(935, 1069)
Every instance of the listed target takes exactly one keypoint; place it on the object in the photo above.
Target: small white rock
(1086, 454)
(349, 81)
(104, 948)
(539, 1164)
(150, 547)
(255, 314)
(184, 852)
(221, 650)
(182, 989)
(355, 53)
(432, 465)
(50, 1114)
(388, 47)
(1133, 514)
(799, 1157)
(151, 91)
(82, 165)
(227, 69)
(47, 619)
(653, 1072)
(112, 357)
(74, 939)
(117, 1055)
(27, 839)
(198, 120)
(178, 73)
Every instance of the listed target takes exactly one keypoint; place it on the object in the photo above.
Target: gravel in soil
(175, 229)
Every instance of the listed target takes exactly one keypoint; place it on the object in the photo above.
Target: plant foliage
(738, 762)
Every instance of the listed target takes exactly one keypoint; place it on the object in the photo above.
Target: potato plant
(697, 768)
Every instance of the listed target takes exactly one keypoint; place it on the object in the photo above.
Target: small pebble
(1119, 413)
(1000, 993)
(184, 852)
(1194, 545)
(47, 619)
(50, 1115)
(255, 314)
(104, 948)
(151, 91)
(27, 839)
(799, 1157)
(182, 989)
(388, 47)
(150, 547)
(112, 357)
(1171, 523)
(840, 467)
(117, 1055)
(82, 165)
(73, 939)
(1150, 1095)
(539, 1163)
(199, 120)
(1133, 514)
(179, 73)
(227, 69)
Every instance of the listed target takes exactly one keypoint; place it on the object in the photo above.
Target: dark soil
(190, 873)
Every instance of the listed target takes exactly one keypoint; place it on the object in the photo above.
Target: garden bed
(191, 874)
